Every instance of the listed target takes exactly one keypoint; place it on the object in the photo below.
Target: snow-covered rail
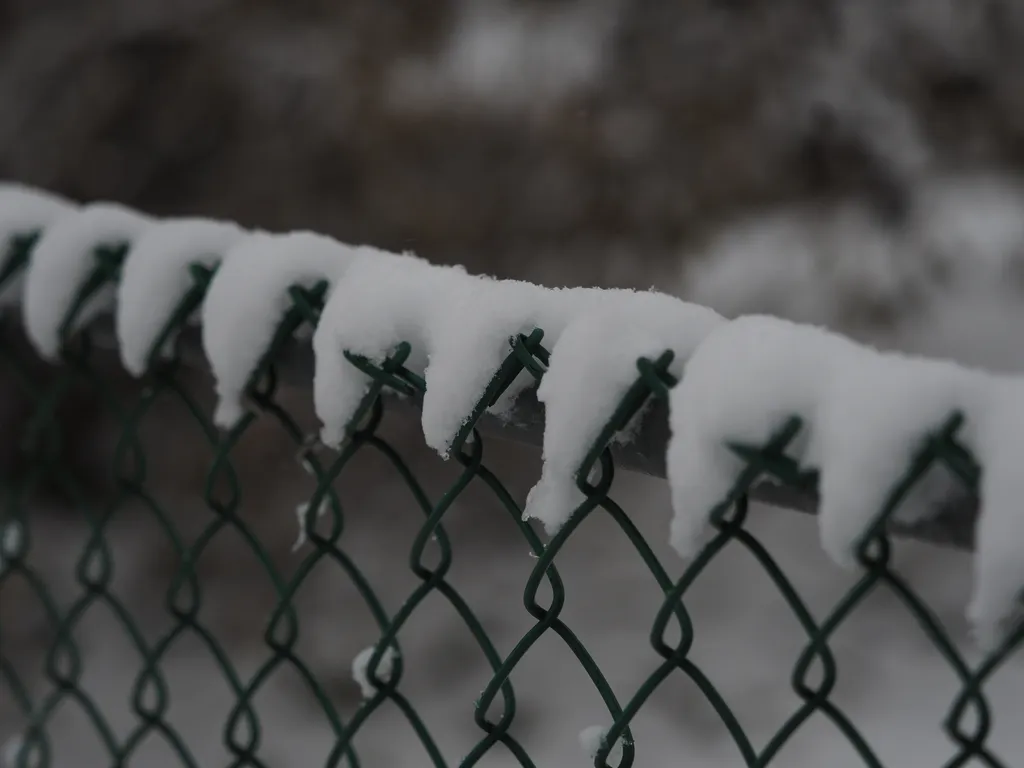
(828, 417)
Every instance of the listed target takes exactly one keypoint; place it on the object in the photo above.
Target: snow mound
(474, 336)
(384, 300)
(863, 413)
(24, 212)
(601, 347)
(593, 738)
(361, 669)
(61, 264)
(866, 416)
(248, 299)
(155, 278)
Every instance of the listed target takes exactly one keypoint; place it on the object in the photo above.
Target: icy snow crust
(864, 413)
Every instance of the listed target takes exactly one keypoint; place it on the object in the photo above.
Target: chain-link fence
(41, 462)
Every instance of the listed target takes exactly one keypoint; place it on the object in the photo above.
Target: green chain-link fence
(42, 462)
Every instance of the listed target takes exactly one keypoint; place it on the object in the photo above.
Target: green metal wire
(815, 671)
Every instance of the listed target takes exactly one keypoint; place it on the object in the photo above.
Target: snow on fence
(727, 410)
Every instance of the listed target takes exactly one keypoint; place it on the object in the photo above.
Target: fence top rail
(952, 524)
(838, 428)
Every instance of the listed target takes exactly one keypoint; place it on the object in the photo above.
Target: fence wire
(43, 461)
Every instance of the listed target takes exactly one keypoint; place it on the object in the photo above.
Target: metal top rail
(952, 525)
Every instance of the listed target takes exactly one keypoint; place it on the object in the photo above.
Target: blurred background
(853, 164)
(581, 142)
